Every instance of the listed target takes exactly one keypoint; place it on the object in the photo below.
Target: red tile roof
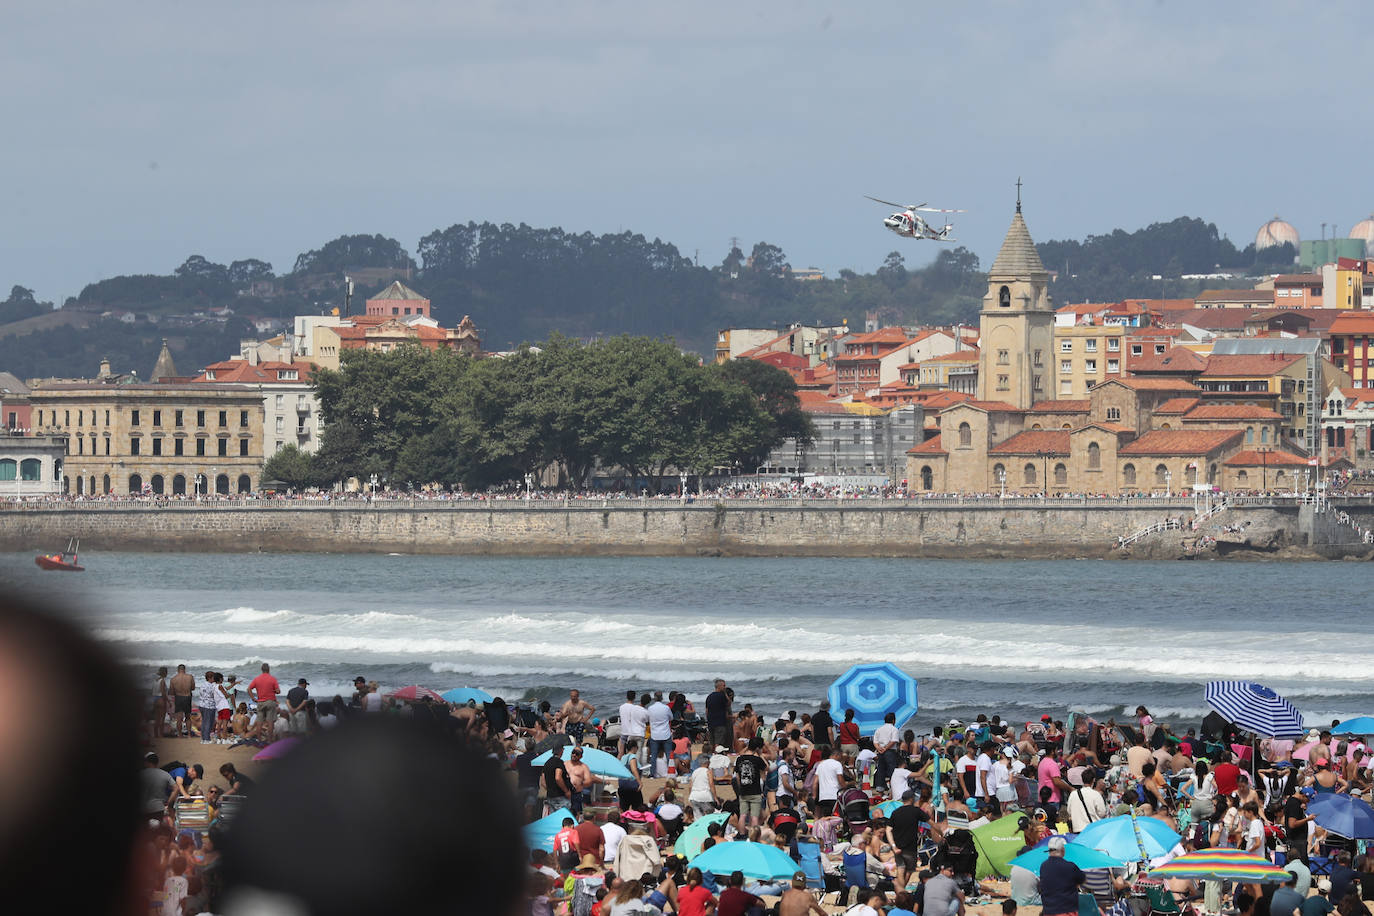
(239, 370)
(998, 406)
(929, 447)
(880, 336)
(942, 399)
(1350, 323)
(1034, 441)
(1176, 360)
(1248, 364)
(1166, 442)
(1153, 384)
(1176, 406)
(958, 356)
(1109, 427)
(1068, 405)
(1257, 459)
(1231, 412)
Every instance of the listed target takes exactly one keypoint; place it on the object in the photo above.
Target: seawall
(972, 528)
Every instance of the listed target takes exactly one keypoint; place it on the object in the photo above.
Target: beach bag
(809, 785)
(584, 896)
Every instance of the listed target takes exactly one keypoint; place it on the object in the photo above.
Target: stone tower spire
(1016, 325)
(164, 367)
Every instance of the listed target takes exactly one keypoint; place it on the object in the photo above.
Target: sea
(1011, 637)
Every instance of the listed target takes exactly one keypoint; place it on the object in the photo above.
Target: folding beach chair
(229, 807)
(192, 814)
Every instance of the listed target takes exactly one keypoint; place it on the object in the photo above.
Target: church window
(1128, 475)
(1249, 435)
(1036, 383)
(1113, 413)
(1161, 474)
(1028, 474)
(1061, 475)
(1094, 456)
(1037, 361)
(1004, 297)
(965, 435)
(1003, 357)
(1003, 383)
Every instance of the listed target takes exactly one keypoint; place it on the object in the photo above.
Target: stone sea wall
(915, 528)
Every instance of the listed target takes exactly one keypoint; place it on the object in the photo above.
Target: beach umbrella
(459, 696)
(1346, 815)
(1255, 707)
(599, 762)
(415, 692)
(1129, 838)
(873, 690)
(539, 834)
(757, 860)
(277, 749)
(886, 808)
(1221, 865)
(1360, 725)
(998, 842)
(688, 844)
(1302, 751)
(1083, 856)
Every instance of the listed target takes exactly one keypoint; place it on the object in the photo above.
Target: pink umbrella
(277, 749)
(415, 692)
(1300, 753)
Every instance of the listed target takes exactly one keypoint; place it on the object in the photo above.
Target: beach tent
(998, 843)
(873, 690)
(539, 834)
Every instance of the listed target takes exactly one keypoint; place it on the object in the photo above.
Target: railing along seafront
(555, 502)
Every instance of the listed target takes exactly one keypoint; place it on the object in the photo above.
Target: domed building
(1364, 231)
(1274, 233)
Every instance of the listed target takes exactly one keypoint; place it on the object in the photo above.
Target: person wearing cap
(359, 691)
(904, 836)
(295, 706)
(1319, 904)
(1059, 882)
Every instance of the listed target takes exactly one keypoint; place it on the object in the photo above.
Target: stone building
(1016, 324)
(162, 438)
(31, 465)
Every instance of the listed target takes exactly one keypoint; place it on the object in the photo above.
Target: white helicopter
(908, 223)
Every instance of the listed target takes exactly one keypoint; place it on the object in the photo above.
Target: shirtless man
(574, 715)
(797, 900)
(181, 686)
(581, 777)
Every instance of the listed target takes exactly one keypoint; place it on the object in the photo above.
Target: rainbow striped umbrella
(1221, 865)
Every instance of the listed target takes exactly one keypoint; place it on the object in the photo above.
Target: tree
(248, 271)
(893, 271)
(348, 252)
(198, 268)
(292, 467)
(20, 305)
(776, 393)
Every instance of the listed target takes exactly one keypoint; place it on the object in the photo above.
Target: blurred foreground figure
(69, 769)
(377, 816)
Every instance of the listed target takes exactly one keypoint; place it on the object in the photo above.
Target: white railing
(1169, 524)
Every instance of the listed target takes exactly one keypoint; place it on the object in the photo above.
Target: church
(1129, 436)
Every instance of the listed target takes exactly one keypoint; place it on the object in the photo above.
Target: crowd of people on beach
(803, 778)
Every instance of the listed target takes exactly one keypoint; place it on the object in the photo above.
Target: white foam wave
(253, 615)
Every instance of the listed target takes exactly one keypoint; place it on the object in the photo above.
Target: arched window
(1128, 475)
(1161, 474)
(245, 484)
(1264, 434)
(222, 484)
(1028, 474)
(1061, 475)
(93, 491)
(105, 483)
(80, 486)
(1094, 456)
(1192, 474)
(1004, 297)
(999, 472)
(1249, 435)
(156, 484)
(1242, 478)
(1212, 472)
(179, 485)
(965, 435)
(1113, 413)
(1036, 426)
(927, 478)
(1164, 426)
(135, 484)
(1278, 476)
(9, 469)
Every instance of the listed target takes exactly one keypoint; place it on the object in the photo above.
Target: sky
(141, 133)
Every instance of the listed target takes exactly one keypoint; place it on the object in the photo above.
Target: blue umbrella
(756, 860)
(599, 762)
(886, 808)
(1255, 707)
(1350, 817)
(1129, 838)
(460, 695)
(540, 833)
(1360, 725)
(1078, 854)
(873, 690)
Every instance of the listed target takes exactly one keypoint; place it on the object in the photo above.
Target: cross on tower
(1018, 193)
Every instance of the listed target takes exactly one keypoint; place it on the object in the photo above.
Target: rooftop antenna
(348, 294)
(1018, 193)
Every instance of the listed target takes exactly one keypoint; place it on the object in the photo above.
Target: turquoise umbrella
(539, 835)
(1360, 725)
(460, 696)
(886, 808)
(1128, 837)
(599, 762)
(873, 690)
(756, 860)
(1083, 856)
(688, 844)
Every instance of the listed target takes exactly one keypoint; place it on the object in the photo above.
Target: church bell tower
(1016, 325)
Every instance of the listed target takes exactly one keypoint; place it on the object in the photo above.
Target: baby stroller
(852, 805)
(959, 850)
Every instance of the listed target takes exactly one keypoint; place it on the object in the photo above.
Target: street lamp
(529, 485)
(373, 481)
(1168, 483)
(200, 485)
(1002, 481)
(682, 479)
(1264, 451)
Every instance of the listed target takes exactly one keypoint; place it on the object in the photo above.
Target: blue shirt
(1059, 881)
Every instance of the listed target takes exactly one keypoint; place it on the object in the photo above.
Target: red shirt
(589, 838)
(1225, 774)
(691, 901)
(734, 902)
(849, 733)
(266, 686)
(565, 841)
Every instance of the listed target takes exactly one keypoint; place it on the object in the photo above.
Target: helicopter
(908, 223)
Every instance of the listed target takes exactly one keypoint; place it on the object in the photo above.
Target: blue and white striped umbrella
(873, 690)
(1255, 707)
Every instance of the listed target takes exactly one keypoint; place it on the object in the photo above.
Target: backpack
(584, 896)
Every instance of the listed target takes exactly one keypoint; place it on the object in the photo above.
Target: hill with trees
(522, 283)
